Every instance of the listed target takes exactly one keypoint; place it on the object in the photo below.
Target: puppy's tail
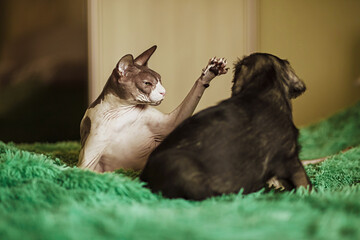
(319, 160)
(313, 161)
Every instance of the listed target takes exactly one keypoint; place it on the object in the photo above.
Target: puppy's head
(262, 72)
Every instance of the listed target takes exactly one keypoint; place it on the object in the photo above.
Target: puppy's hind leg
(298, 177)
(192, 182)
(290, 176)
(176, 176)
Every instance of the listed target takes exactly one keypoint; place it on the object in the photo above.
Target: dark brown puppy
(241, 143)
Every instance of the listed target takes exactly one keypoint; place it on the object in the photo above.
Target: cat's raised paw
(217, 66)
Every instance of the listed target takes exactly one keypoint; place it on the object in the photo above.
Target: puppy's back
(204, 155)
(240, 143)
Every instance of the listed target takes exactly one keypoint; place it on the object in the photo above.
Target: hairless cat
(120, 128)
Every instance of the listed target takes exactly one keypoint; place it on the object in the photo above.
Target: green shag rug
(43, 196)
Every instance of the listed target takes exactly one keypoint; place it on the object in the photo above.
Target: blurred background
(43, 69)
(55, 56)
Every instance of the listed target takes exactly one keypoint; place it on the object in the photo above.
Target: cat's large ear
(124, 63)
(143, 58)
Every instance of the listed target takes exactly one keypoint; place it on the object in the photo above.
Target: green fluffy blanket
(43, 196)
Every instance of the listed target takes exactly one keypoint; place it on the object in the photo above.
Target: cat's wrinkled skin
(120, 128)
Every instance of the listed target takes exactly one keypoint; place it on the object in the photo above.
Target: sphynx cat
(121, 128)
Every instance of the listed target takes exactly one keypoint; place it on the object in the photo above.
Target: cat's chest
(122, 136)
(119, 121)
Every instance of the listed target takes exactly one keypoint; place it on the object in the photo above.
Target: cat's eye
(148, 83)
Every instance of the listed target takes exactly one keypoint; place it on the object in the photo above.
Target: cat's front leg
(215, 67)
(90, 156)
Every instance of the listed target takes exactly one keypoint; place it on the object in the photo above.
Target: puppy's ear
(296, 85)
(240, 76)
(253, 73)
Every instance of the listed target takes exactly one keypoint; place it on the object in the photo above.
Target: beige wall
(320, 38)
(188, 33)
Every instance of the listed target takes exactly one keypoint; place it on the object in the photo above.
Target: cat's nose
(162, 93)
